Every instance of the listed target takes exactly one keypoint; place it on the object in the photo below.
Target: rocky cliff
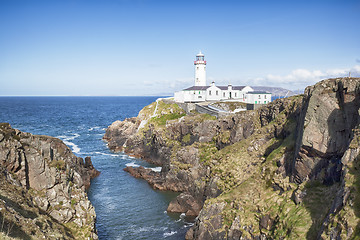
(288, 170)
(42, 190)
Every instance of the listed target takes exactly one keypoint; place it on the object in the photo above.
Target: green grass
(58, 164)
(286, 145)
(186, 138)
(161, 121)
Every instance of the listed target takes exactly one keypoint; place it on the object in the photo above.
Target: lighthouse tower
(200, 70)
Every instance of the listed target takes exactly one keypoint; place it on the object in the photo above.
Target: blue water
(126, 207)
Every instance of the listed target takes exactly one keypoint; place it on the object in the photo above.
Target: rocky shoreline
(287, 170)
(43, 188)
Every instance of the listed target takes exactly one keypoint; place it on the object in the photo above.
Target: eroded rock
(48, 173)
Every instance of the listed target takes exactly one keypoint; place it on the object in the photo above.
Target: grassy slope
(247, 172)
(248, 179)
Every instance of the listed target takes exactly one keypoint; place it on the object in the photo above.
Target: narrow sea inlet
(126, 208)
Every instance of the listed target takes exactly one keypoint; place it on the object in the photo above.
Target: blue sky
(147, 47)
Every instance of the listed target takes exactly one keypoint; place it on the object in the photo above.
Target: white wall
(179, 96)
(258, 98)
(200, 74)
(204, 95)
(213, 93)
(195, 96)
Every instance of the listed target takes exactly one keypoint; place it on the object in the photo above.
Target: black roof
(206, 87)
(233, 87)
(197, 88)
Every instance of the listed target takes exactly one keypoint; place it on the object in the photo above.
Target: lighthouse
(200, 70)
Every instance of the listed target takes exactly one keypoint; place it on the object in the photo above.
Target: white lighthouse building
(200, 70)
(201, 92)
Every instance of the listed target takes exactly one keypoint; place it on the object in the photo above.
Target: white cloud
(297, 79)
(300, 78)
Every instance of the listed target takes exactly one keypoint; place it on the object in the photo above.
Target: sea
(126, 207)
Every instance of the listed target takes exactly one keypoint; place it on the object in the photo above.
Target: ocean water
(126, 207)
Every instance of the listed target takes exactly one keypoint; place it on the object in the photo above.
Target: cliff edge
(287, 170)
(42, 190)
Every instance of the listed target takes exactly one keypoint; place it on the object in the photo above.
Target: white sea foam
(169, 233)
(107, 154)
(188, 224)
(132, 164)
(156, 169)
(145, 229)
(66, 139)
(182, 215)
(75, 148)
(93, 128)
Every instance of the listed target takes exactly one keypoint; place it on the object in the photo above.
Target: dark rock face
(153, 178)
(259, 174)
(329, 114)
(53, 176)
(118, 132)
(212, 215)
(176, 149)
(91, 171)
(185, 203)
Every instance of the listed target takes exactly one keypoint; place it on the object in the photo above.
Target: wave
(66, 139)
(93, 128)
(169, 233)
(107, 154)
(137, 229)
(188, 224)
(156, 169)
(75, 148)
(133, 164)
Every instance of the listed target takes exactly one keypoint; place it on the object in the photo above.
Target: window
(217, 92)
(264, 101)
(197, 68)
(210, 92)
(199, 92)
(259, 96)
(235, 95)
(265, 96)
(194, 92)
(224, 94)
(255, 102)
